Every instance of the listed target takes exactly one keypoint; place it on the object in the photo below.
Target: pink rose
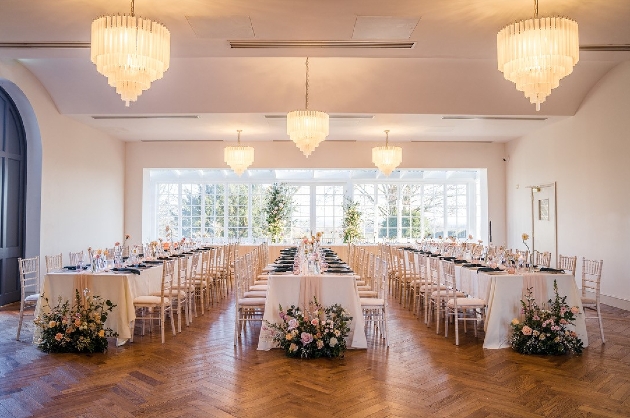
(575, 310)
(315, 322)
(526, 330)
(293, 323)
(306, 338)
(58, 336)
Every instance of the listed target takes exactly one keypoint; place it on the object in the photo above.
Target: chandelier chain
(306, 83)
(239, 136)
(133, 13)
(386, 138)
(535, 9)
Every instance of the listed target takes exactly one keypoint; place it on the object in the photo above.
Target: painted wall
(329, 154)
(587, 155)
(82, 175)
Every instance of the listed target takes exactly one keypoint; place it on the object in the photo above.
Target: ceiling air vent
(606, 48)
(322, 44)
(512, 118)
(45, 45)
(145, 117)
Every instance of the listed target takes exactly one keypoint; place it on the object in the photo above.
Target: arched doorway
(12, 197)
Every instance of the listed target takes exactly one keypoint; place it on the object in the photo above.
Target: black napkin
(140, 266)
(152, 262)
(551, 270)
(471, 265)
(74, 268)
(448, 258)
(459, 261)
(164, 258)
(128, 270)
(487, 269)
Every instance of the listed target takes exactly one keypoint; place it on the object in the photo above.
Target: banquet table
(120, 288)
(503, 293)
(333, 288)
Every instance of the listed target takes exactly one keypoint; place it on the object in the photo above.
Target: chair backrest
(182, 271)
(421, 266)
(567, 263)
(75, 258)
(591, 276)
(239, 276)
(542, 259)
(29, 275)
(54, 262)
(168, 275)
(434, 270)
(194, 264)
(380, 282)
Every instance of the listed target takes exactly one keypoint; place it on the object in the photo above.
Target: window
(409, 205)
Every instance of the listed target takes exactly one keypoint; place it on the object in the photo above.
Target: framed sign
(543, 209)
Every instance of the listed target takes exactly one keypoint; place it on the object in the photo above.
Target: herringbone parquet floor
(199, 373)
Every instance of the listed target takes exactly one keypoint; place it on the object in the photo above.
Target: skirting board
(614, 302)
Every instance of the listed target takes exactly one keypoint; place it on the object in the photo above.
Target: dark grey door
(12, 188)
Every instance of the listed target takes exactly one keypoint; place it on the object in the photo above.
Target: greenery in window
(278, 210)
(351, 222)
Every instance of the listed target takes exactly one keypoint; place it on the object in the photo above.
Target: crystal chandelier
(131, 52)
(239, 157)
(307, 128)
(386, 158)
(536, 54)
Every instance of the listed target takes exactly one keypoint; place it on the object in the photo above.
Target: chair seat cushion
(174, 292)
(360, 282)
(258, 287)
(368, 293)
(588, 301)
(372, 302)
(251, 302)
(360, 288)
(260, 282)
(444, 293)
(150, 300)
(467, 302)
(255, 294)
(32, 298)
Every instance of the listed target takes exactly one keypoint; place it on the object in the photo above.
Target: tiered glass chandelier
(387, 158)
(239, 157)
(307, 128)
(537, 53)
(131, 52)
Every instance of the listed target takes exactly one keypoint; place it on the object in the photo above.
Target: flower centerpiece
(76, 328)
(351, 222)
(278, 210)
(313, 333)
(546, 331)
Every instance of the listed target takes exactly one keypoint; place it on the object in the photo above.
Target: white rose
(333, 342)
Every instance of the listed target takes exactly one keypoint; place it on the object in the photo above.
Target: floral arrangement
(525, 237)
(278, 210)
(76, 328)
(351, 222)
(318, 332)
(546, 331)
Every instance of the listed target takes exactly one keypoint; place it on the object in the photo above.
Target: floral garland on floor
(546, 331)
(278, 210)
(318, 332)
(76, 328)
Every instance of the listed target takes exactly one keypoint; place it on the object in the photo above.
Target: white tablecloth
(121, 289)
(504, 293)
(285, 290)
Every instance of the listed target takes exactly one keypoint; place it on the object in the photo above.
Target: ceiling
(214, 89)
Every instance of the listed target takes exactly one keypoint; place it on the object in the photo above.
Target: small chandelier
(131, 52)
(307, 128)
(239, 157)
(387, 158)
(536, 54)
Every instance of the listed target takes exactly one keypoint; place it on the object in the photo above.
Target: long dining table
(119, 287)
(289, 289)
(503, 293)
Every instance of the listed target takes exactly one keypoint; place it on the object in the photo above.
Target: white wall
(329, 154)
(587, 155)
(83, 175)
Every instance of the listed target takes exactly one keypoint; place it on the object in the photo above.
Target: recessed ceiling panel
(227, 27)
(384, 27)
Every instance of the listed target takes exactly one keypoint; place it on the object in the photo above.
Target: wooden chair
(247, 309)
(542, 259)
(76, 258)
(591, 280)
(54, 262)
(29, 286)
(458, 306)
(375, 309)
(567, 263)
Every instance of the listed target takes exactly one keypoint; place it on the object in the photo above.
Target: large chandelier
(387, 158)
(239, 157)
(307, 128)
(131, 52)
(537, 53)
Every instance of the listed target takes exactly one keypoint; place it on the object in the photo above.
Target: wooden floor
(199, 373)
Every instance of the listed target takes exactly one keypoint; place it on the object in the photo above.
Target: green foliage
(278, 210)
(351, 222)
(318, 332)
(75, 329)
(546, 331)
